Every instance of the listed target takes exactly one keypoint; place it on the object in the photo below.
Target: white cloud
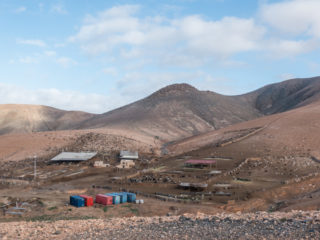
(20, 9)
(294, 17)
(289, 48)
(287, 76)
(50, 53)
(179, 41)
(59, 45)
(66, 62)
(59, 8)
(134, 86)
(314, 67)
(110, 71)
(33, 42)
(46, 56)
(226, 37)
(193, 41)
(41, 6)
(296, 24)
(67, 100)
(138, 85)
(28, 60)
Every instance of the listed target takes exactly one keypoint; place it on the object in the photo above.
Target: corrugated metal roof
(204, 162)
(196, 185)
(74, 156)
(129, 154)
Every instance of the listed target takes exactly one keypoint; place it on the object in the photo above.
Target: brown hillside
(287, 95)
(292, 132)
(177, 111)
(180, 110)
(16, 118)
(174, 112)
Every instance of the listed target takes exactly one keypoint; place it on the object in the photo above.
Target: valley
(265, 164)
(257, 159)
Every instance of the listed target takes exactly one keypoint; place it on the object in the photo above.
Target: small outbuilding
(200, 163)
(73, 157)
(126, 164)
(100, 164)
(127, 158)
(193, 186)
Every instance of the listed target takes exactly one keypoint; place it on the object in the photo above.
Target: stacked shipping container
(123, 196)
(131, 197)
(104, 199)
(76, 201)
(115, 198)
(88, 201)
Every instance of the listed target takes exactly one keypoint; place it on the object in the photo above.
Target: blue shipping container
(123, 196)
(131, 197)
(115, 198)
(76, 201)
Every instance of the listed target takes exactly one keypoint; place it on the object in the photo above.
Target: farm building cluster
(126, 158)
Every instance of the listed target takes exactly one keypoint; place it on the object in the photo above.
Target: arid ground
(267, 161)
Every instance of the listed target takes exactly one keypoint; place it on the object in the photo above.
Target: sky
(97, 55)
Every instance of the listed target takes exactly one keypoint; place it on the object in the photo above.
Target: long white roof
(129, 154)
(74, 156)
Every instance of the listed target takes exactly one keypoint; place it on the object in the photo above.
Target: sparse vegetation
(132, 209)
(57, 217)
(52, 208)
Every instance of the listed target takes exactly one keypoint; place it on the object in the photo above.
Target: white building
(73, 157)
(126, 164)
(129, 155)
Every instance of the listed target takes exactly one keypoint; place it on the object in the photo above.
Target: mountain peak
(175, 90)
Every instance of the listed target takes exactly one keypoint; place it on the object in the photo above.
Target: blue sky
(98, 55)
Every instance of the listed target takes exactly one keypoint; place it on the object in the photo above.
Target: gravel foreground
(261, 225)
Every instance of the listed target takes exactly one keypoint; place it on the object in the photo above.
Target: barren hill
(34, 118)
(180, 110)
(292, 132)
(174, 112)
(177, 111)
(286, 95)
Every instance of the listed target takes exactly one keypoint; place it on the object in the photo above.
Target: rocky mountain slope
(286, 95)
(174, 112)
(294, 132)
(180, 110)
(177, 111)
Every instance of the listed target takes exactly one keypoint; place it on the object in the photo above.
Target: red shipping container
(103, 199)
(88, 201)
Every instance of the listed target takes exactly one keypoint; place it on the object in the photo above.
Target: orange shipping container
(88, 201)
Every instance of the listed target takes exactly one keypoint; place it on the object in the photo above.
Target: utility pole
(35, 167)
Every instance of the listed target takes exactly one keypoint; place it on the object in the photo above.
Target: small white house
(127, 158)
(126, 164)
(100, 164)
